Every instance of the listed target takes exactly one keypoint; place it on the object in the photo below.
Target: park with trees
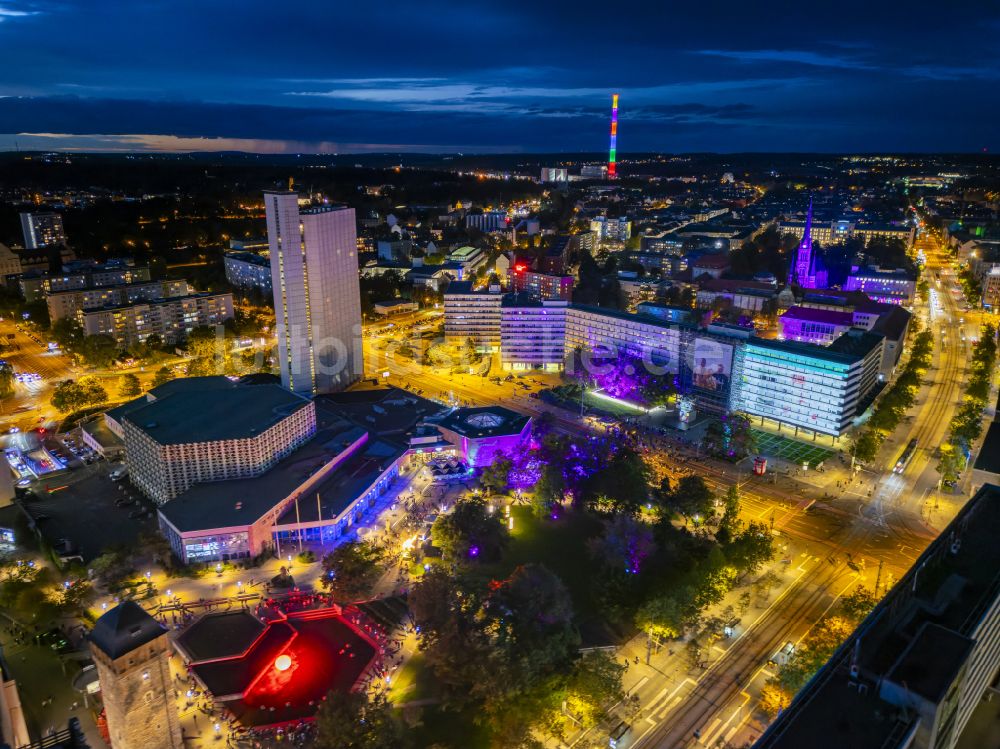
(590, 551)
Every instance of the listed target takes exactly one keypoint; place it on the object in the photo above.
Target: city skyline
(827, 77)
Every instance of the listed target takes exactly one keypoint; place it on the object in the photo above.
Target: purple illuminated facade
(806, 270)
(886, 286)
(811, 325)
(485, 433)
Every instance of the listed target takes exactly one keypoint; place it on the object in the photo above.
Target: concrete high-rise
(42, 229)
(317, 301)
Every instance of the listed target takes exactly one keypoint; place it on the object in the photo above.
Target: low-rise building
(612, 229)
(487, 222)
(486, 432)
(891, 286)
(554, 174)
(394, 307)
(81, 275)
(394, 249)
(540, 285)
(469, 258)
(841, 229)
(42, 229)
(331, 484)
(710, 265)
(750, 296)
(812, 325)
(594, 171)
(10, 263)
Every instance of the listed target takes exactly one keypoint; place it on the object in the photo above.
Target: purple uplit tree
(627, 376)
(625, 544)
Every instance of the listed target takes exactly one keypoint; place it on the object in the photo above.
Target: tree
(551, 485)
(93, 391)
(130, 386)
(99, 350)
(624, 544)
(531, 617)
(452, 635)
(163, 375)
(751, 548)
(857, 604)
(157, 547)
(593, 685)
(622, 486)
(150, 347)
(660, 617)
(814, 651)
(6, 380)
(470, 532)
(68, 396)
(495, 478)
(350, 570)
(74, 596)
(68, 334)
(762, 585)
(352, 720)
(112, 567)
(866, 446)
(692, 497)
(206, 342)
(730, 524)
(773, 699)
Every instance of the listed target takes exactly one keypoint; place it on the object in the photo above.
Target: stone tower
(132, 653)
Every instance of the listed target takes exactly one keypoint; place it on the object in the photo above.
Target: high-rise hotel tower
(317, 302)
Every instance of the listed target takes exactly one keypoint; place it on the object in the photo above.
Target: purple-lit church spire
(805, 271)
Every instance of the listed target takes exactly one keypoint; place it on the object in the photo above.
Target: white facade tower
(317, 300)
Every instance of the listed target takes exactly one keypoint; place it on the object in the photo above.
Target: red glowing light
(520, 268)
(283, 662)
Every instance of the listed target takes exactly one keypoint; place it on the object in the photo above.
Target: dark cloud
(441, 74)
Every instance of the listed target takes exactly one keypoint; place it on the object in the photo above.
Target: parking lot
(82, 512)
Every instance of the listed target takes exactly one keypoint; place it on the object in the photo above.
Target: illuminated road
(843, 540)
(30, 400)
(833, 529)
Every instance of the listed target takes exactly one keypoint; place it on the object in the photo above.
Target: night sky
(438, 76)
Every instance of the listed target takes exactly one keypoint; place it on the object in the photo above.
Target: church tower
(806, 270)
(132, 653)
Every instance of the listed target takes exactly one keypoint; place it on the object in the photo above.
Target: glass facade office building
(805, 386)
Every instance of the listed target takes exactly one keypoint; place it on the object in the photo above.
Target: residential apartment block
(245, 270)
(79, 275)
(170, 319)
(68, 304)
(472, 314)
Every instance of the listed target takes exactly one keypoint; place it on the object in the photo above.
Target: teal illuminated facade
(806, 386)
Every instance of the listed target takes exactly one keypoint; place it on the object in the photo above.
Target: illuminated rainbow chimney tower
(612, 155)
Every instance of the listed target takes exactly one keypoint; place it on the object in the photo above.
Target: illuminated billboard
(711, 365)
